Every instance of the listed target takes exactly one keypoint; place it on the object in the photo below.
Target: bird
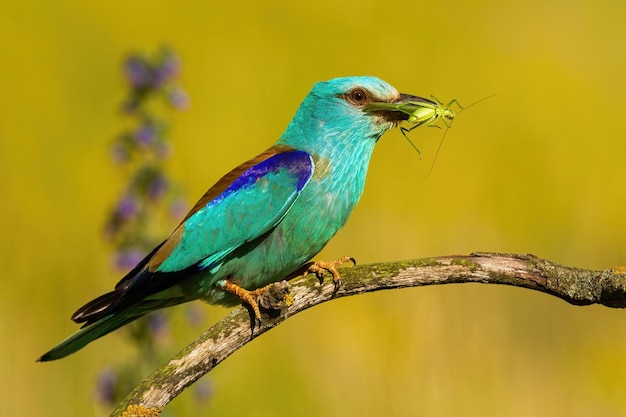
(265, 219)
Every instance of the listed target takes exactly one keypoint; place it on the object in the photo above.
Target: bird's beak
(399, 109)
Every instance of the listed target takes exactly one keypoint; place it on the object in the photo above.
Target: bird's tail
(112, 319)
(87, 335)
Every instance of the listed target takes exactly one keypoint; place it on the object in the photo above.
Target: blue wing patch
(250, 206)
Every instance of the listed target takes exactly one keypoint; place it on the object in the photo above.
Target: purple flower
(165, 70)
(178, 98)
(128, 258)
(195, 315)
(127, 208)
(146, 134)
(138, 72)
(178, 208)
(142, 150)
(105, 386)
(157, 187)
(204, 391)
(157, 323)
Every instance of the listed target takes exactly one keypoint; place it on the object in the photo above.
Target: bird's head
(348, 111)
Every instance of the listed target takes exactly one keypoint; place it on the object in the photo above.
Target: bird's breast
(324, 205)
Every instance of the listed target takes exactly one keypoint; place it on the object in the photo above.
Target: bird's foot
(247, 296)
(318, 268)
(272, 298)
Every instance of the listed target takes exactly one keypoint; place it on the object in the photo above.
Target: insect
(428, 113)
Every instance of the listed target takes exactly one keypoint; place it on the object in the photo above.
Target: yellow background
(539, 168)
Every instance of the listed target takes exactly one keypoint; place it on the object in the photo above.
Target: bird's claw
(318, 268)
(248, 297)
(272, 299)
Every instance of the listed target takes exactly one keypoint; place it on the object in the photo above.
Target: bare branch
(576, 286)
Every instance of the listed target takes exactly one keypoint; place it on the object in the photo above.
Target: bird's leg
(318, 268)
(250, 297)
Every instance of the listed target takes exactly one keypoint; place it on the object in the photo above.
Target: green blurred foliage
(539, 168)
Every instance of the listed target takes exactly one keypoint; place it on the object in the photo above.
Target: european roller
(264, 220)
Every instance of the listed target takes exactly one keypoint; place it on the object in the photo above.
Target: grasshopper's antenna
(437, 153)
(476, 102)
(448, 128)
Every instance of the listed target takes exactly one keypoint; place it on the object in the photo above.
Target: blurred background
(539, 168)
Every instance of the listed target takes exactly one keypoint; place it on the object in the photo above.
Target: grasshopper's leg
(447, 122)
(439, 103)
(404, 131)
(452, 102)
(434, 121)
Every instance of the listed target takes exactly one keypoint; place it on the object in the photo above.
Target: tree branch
(576, 286)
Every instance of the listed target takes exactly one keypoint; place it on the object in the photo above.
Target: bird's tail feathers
(93, 330)
(87, 334)
(98, 308)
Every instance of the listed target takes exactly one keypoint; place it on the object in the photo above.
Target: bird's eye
(358, 96)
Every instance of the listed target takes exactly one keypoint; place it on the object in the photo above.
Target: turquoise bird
(264, 220)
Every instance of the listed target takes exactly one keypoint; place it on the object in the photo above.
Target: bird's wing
(243, 205)
(246, 203)
(248, 207)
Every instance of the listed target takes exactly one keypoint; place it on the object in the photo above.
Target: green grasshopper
(428, 113)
